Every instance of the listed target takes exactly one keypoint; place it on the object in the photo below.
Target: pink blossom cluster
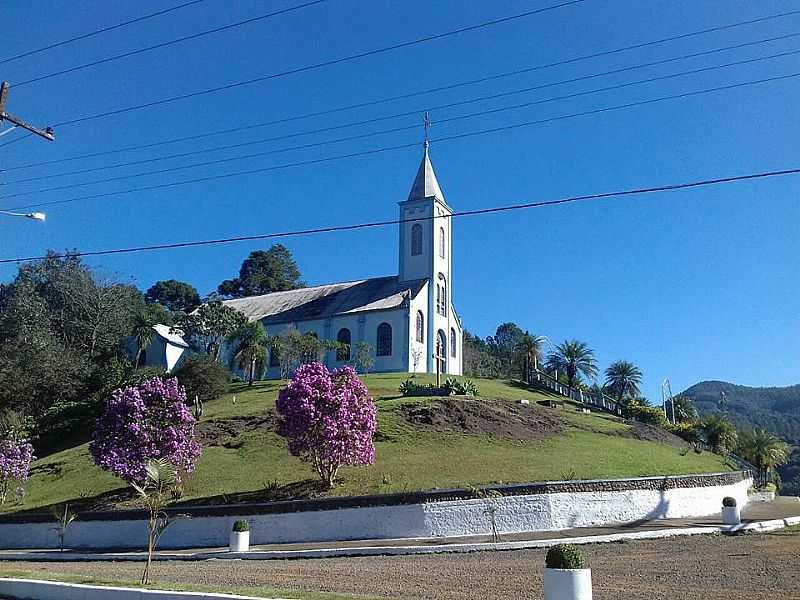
(145, 422)
(15, 463)
(327, 417)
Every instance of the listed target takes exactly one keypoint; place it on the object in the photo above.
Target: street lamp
(36, 216)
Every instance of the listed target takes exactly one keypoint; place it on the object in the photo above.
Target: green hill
(776, 409)
(422, 443)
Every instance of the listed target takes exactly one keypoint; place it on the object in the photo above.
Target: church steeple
(425, 183)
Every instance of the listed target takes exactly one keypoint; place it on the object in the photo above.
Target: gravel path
(750, 567)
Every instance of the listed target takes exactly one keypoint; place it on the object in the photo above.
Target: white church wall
(419, 304)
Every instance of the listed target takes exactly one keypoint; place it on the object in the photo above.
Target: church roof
(323, 301)
(166, 332)
(425, 183)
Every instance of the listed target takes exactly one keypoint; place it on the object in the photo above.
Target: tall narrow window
(274, 357)
(420, 327)
(343, 351)
(441, 241)
(452, 342)
(384, 341)
(441, 350)
(416, 239)
(441, 296)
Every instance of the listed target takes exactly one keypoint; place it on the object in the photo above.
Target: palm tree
(573, 358)
(530, 348)
(250, 343)
(719, 432)
(764, 450)
(623, 378)
(143, 334)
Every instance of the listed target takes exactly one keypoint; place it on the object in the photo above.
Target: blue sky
(690, 285)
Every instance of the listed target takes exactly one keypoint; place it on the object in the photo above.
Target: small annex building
(406, 318)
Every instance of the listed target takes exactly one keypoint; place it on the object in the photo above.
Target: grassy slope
(408, 458)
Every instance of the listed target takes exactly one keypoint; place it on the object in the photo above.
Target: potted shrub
(730, 511)
(240, 537)
(566, 576)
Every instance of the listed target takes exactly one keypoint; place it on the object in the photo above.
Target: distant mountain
(776, 409)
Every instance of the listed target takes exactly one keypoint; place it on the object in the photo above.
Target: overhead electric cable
(455, 136)
(465, 213)
(15, 140)
(319, 65)
(432, 108)
(402, 96)
(167, 43)
(99, 31)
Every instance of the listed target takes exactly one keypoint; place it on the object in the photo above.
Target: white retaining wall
(513, 514)
(24, 589)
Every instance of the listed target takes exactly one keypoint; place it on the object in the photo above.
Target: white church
(408, 319)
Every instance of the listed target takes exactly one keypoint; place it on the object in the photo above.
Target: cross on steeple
(426, 124)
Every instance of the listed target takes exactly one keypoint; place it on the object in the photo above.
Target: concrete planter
(567, 584)
(240, 541)
(731, 515)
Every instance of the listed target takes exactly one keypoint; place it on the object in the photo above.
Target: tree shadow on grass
(296, 490)
(109, 500)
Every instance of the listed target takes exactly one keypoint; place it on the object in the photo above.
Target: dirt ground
(479, 416)
(747, 567)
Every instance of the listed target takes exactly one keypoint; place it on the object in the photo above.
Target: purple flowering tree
(328, 419)
(15, 465)
(143, 423)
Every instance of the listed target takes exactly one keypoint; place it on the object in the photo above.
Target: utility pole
(46, 133)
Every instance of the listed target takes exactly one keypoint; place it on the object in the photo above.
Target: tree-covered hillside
(776, 409)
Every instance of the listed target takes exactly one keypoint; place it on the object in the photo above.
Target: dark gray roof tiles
(323, 301)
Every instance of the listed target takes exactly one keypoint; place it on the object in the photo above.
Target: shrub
(144, 423)
(461, 388)
(728, 502)
(411, 388)
(565, 556)
(645, 414)
(204, 377)
(241, 526)
(328, 419)
(686, 430)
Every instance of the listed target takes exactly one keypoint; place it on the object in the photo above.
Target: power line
(319, 65)
(15, 140)
(481, 211)
(406, 95)
(160, 45)
(481, 113)
(431, 108)
(99, 31)
(373, 151)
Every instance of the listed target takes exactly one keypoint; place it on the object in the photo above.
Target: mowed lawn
(409, 457)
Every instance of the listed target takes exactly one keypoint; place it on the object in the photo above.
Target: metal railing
(597, 400)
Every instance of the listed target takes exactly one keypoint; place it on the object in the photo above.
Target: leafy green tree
(685, 411)
(210, 325)
(765, 450)
(719, 432)
(364, 357)
(175, 296)
(623, 378)
(530, 349)
(504, 345)
(202, 377)
(478, 358)
(573, 358)
(249, 346)
(263, 272)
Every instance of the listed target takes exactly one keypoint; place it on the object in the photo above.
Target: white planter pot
(731, 515)
(567, 584)
(240, 541)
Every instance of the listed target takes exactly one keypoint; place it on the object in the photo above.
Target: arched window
(420, 327)
(441, 296)
(274, 358)
(416, 239)
(441, 242)
(452, 342)
(343, 351)
(441, 351)
(384, 342)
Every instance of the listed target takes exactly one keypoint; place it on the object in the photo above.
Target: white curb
(54, 590)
